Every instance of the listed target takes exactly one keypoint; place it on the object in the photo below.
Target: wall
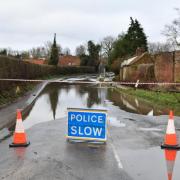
(177, 66)
(141, 68)
(164, 67)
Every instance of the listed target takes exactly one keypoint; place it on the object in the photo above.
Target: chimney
(139, 51)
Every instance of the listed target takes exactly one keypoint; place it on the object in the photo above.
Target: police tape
(92, 82)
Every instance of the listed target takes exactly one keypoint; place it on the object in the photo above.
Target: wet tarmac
(132, 151)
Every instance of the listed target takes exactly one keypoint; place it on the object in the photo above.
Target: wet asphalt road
(132, 151)
(129, 154)
(50, 157)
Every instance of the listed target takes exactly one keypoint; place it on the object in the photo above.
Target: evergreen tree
(54, 55)
(92, 59)
(135, 37)
(3, 52)
(93, 50)
(126, 44)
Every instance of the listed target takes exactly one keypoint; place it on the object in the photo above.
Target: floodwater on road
(56, 98)
(134, 134)
(146, 160)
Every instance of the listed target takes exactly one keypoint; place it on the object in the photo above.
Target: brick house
(162, 67)
(138, 67)
(36, 61)
(69, 60)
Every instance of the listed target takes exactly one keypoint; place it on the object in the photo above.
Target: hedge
(12, 68)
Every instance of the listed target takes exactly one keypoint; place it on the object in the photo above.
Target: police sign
(87, 124)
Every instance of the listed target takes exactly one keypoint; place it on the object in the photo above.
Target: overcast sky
(30, 23)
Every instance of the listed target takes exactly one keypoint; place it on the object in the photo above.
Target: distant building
(162, 67)
(69, 60)
(138, 67)
(36, 61)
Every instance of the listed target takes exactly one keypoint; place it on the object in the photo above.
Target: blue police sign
(87, 124)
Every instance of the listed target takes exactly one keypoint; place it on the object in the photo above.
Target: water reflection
(170, 156)
(56, 98)
(20, 152)
(53, 92)
(134, 105)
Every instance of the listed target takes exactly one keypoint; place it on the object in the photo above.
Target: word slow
(86, 131)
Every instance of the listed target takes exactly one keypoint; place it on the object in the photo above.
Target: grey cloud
(27, 23)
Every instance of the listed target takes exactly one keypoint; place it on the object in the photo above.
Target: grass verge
(166, 99)
(16, 91)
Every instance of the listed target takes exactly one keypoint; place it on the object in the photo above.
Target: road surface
(132, 151)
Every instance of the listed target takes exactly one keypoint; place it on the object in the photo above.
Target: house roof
(132, 60)
(69, 60)
(35, 61)
(128, 61)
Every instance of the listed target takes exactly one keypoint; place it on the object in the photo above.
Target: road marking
(117, 157)
(120, 166)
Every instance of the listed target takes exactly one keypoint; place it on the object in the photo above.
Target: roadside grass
(166, 99)
(16, 91)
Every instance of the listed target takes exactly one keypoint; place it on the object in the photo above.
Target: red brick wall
(36, 61)
(164, 67)
(69, 60)
(177, 66)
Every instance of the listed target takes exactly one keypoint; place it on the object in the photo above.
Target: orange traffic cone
(170, 137)
(170, 160)
(19, 138)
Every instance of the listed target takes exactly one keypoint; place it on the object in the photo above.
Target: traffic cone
(19, 138)
(170, 156)
(170, 137)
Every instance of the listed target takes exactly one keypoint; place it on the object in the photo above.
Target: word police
(86, 118)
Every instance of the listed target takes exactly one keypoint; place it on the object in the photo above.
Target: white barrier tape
(93, 82)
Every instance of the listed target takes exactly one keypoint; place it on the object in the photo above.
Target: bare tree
(66, 51)
(80, 50)
(107, 45)
(172, 31)
(48, 46)
(157, 47)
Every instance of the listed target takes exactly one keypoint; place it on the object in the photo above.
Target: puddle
(113, 121)
(153, 163)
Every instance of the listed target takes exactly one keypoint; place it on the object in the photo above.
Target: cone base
(170, 147)
(19, 145)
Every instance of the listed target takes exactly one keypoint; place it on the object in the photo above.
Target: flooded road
(56, 98)
(132, 150)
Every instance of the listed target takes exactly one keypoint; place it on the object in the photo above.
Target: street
(132, 151)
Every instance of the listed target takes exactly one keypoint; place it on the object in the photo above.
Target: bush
(115, 67)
